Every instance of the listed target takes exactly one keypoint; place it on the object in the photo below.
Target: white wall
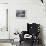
(35, 12)
(3, 1)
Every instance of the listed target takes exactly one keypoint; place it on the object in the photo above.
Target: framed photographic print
(20, 13)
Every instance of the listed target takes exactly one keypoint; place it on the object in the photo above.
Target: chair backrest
(33, 28)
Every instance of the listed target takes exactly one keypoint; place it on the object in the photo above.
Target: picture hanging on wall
(20, 13)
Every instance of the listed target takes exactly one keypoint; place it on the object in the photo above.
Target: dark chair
(32, 29)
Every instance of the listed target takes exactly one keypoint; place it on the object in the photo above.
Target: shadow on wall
(41, 34)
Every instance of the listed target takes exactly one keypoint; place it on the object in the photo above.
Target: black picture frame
(20, 13)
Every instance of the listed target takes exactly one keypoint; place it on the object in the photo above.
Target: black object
(42, 1)
(32, 29)
(20, 13)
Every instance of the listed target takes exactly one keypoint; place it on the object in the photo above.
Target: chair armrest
(22, 35)
(24, 32)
